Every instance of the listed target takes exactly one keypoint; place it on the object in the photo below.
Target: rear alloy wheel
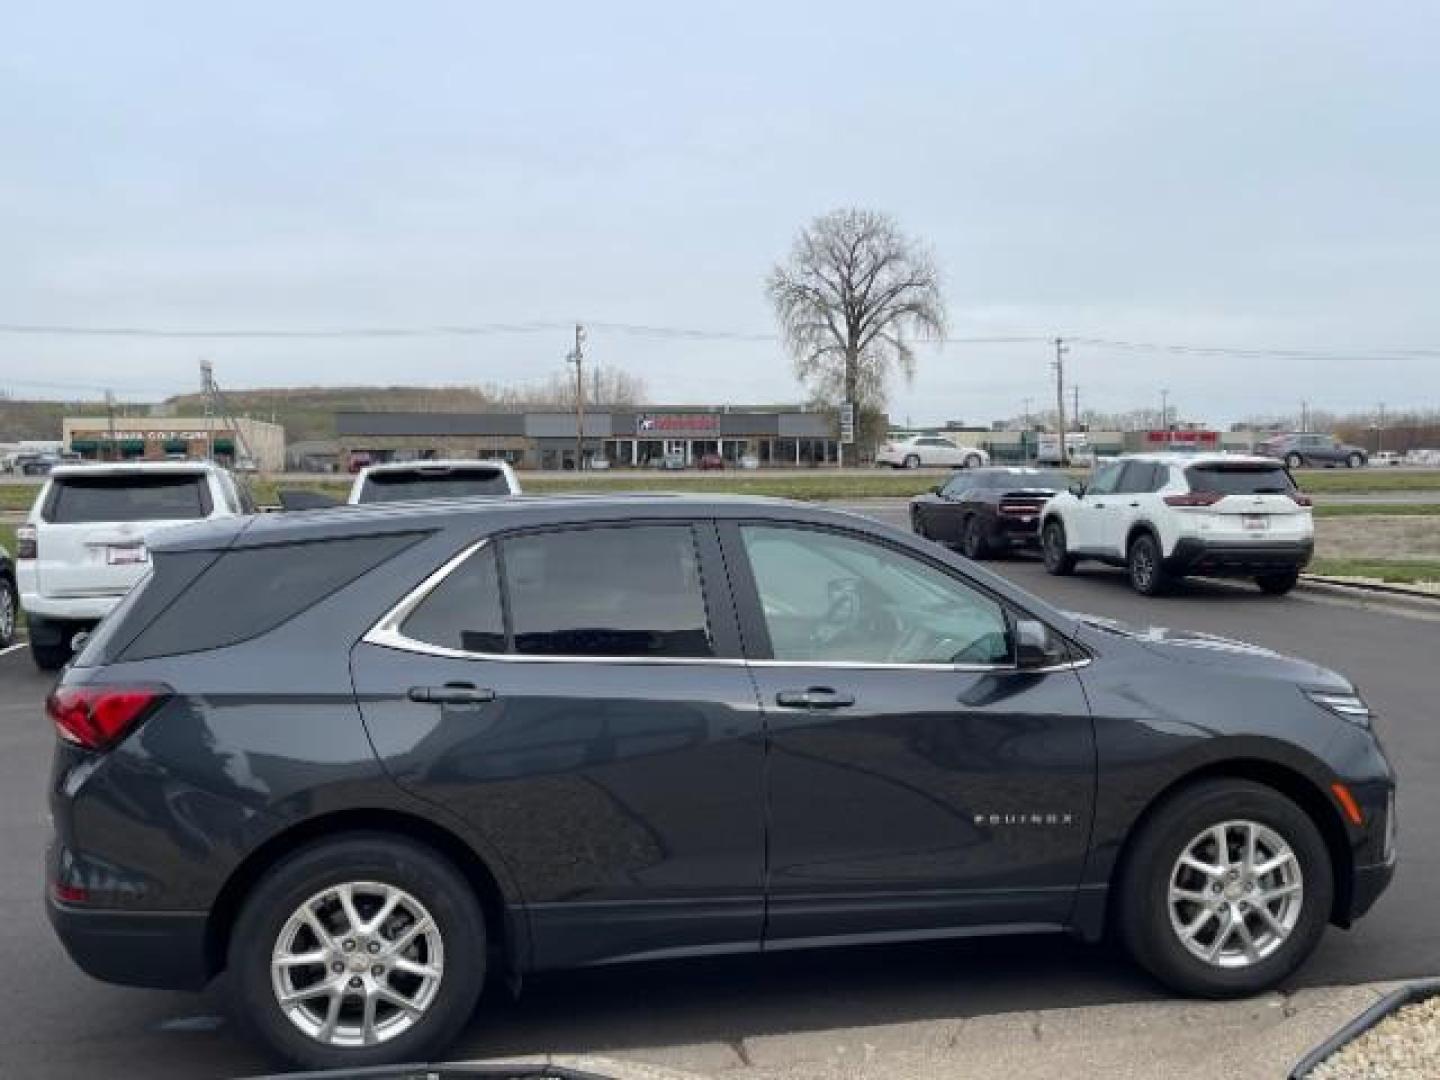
(49, 655)
(1147, 575)
(363, 951)
(1058, 560)
(9, 611)
(912, 461)
(1293, 461)
(972, 539)
(1354, 461)
(1279, 583)
(1226, 891)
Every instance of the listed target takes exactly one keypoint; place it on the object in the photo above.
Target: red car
(710, 461)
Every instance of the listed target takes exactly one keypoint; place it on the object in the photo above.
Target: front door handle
(1099, 506)
(1135, 504)
(451, 694)
(817, 697)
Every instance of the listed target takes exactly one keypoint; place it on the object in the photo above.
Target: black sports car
(983, 511)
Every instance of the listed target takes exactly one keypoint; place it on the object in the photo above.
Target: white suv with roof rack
(83, 544)
(1162, 516)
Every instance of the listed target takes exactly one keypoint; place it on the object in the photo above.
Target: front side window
(628, 591)
(828, 597)
(1105, 479)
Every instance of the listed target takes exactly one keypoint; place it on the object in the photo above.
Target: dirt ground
(1377, 537)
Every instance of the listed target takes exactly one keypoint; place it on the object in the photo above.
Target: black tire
(972, 461)
(1278, 584)
(974, 544)
(49, 644)
(917, 522)
(359, 857)
(1142, 560)
(912, 461)
(1143, 898)
(9, 612)
(1355, 461)
(1058, 560)
(1293, 461)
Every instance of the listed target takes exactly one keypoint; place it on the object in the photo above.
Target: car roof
(110, 468)
(1180, 458)
(427, 466)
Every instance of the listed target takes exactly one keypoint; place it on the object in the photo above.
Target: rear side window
(1240, 479)
(419, 484)
(251, 591)
(464, 610)
(630, 591)
(76, 500)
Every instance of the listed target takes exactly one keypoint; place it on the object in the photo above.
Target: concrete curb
(1366, 595)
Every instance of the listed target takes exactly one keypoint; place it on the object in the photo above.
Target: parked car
(365, 760)
(1305, 448)
(710, 462)
(930, 450)
(749, 461)
(85, 541)
(988, 510)
(9, 599)
(1163, 516)
(672, 462)
(1387, 457)
(397, 481)
(598, 463)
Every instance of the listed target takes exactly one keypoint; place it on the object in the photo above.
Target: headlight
(1349, 706)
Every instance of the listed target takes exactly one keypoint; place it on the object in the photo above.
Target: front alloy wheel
(1236, 893)
(8, 612)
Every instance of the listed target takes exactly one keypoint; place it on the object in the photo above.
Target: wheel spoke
(1208, 869)
(1276, 926)
(1279, 892)
(317, 927)
(1221, 937)
(1194, 927)
(411, 932)
(294, 997)
(319, 956)
(400, 1001)
(410, 967)
(1247, 857)
(332, 1015)
(1192, 896)
(1271, 865)
(1222, 846)
(1247, 940)
(346, 894)
(367, 1023)
(392, 898)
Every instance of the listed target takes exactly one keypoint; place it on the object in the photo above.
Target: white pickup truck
(83, 544)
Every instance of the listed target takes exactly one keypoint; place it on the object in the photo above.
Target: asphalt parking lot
(56, 1022)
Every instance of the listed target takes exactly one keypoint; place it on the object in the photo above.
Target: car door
(1087, 520)
(576, 696)
(945, 452)
(949, 510)
(917, 781)
(1127, 505)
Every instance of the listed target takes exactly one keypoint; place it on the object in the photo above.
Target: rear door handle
(1135, 504)
(817, 697)
(451, 694)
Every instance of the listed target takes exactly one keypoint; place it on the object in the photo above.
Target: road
(56, 1022)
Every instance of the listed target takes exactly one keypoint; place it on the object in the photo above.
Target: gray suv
(366, 759)
(1306, 448)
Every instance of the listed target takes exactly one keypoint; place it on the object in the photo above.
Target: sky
(1240, 176)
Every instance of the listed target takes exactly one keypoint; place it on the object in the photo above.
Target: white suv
(1163, 516)
(918, 450)
(83, 544)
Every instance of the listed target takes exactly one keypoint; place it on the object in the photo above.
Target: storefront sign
(677, 423)
(1184, 438)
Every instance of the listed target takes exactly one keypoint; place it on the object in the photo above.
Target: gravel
(1403, 1046)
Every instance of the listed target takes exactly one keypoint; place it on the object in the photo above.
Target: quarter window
(828, 597)
(464, 610)
(630, 591)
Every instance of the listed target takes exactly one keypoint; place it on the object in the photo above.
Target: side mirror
(1077, 488)
(1034, 646)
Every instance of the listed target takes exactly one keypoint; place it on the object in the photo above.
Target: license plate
(1257, 522)
(1027, 518)
(123, 556)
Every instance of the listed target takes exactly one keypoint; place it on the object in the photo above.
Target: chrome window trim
(386, 634)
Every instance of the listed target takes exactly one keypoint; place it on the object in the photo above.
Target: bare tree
(853, 295)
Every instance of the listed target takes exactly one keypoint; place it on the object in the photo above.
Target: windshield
(1240, 479)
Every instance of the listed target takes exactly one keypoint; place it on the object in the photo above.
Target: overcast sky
(1246, 175)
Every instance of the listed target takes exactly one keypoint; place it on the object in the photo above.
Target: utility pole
(1164, 410)
(1075, 400)
(110, 413)
(577, 357)
(207, 383)
(1059, 365)
(1304, 416)
(1380, 430)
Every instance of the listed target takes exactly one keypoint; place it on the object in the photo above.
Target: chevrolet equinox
(365, 759)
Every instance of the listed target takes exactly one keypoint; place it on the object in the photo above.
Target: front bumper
(1368, 884)
(1193, 555)
(160, 950)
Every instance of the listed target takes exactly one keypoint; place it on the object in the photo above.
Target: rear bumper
(86, 609)
(161, 950)
(1196, 556)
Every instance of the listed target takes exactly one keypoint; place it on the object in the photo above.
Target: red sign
(1196, 438)
(671, 423)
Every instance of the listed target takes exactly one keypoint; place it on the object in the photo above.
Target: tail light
(97, 717)
(27, 542)
(1194, 498)
(1302, 500)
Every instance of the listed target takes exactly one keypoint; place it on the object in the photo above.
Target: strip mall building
(546, 440)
